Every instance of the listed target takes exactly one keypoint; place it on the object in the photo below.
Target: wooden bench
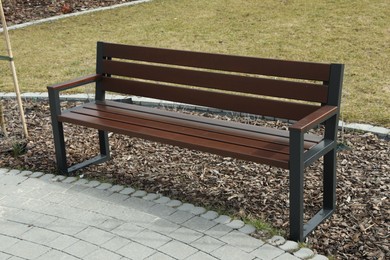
(306, 93)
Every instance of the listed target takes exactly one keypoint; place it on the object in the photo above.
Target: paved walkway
(43, 216)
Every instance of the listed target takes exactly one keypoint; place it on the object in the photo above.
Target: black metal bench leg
(104, 144)
(329, 180)
(296, 186)
(59, 145)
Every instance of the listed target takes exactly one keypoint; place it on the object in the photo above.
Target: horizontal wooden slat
(269, 67)
(270, 135)
(184, 128)
(191, 142)
(222, 81)
(247, 104)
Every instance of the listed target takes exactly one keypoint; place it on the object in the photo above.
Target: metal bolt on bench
(226, 82)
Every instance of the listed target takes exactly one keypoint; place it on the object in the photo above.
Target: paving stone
(151, 196)
(66, 226)
(159, 256)
(69, 180)
(177, 249)
(116, 188)
(162, 200)
(210, 215)
(94, 236)
(139, 194)
(127, 191)
(277, 240)
(201, 256)
(287, 256)
(185, 235)
(128, 230)
(25, 173)
(58, 178)
(242, 241)
(319, 257)
(3, 170)
(207, 244)
(92, 184)
(4, 256)
(180, 217)
(161, 210)
(26, 250)
(198, 223)
(304, 253)
(247, 229)
(198, 210)
(39, 235)
(136, 251)
(102, 254)
(174, 203)
(111, 224)
(104, 186)
(236, 224)
(13, 172)
(163, 226)
(82, 182)
(218, 231)
(36, 174)
(151, 239)
(223, 219)
(139, 204)
(267, 252)
(289, 246)
(186, 207)
(26, 217)
(45, 177)
(115, 243)
(228, 252)
(58, 255)
(13, 229)
(62, 242)
(80, 249)
(7, 241)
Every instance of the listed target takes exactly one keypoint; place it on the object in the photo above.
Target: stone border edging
(278, 242)
(58, 17)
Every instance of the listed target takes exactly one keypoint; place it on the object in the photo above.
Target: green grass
(356, 33)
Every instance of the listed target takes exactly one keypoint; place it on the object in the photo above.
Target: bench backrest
(267, 87)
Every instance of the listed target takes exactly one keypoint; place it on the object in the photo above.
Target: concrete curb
(193, 231)
(381, 132)
(59, 17)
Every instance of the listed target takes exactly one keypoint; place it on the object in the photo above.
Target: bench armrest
(75, 82)
(313, 119)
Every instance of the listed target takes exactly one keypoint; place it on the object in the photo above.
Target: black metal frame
(299, 160)
(58, 132)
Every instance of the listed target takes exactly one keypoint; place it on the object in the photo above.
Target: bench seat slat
(269, 133)
(191, 142)
(222, 81)
(226, 101)
(277, 138)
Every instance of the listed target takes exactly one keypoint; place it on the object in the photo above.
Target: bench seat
(226, 138)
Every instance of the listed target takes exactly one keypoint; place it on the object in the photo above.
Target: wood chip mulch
(359, 228)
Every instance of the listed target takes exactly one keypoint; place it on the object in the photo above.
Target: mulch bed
(359, 228)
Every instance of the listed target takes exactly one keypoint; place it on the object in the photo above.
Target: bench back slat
(267, 87)
(214, 80)
(227, 101)
(252, 65)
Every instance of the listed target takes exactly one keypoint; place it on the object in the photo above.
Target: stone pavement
(43, 216)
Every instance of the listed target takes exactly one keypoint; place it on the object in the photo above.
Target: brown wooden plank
(269, 67)
(184, 129)
(255, 133)
(222, 81)
(247, 104)
(206, 145)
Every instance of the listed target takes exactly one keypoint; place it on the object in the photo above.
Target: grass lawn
(356, 33)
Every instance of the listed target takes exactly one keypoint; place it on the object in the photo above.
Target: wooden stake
(2, 121)
(13, 69)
